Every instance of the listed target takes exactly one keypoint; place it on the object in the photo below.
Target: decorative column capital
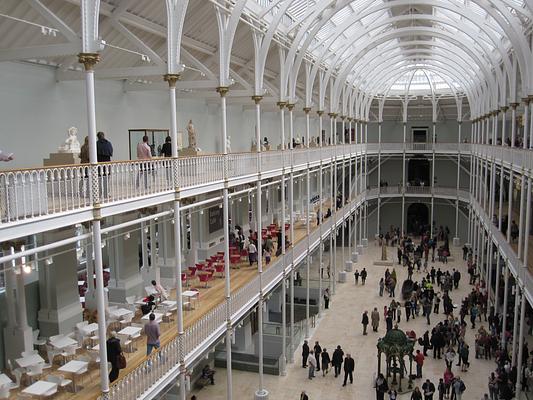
(222, 90)
(514, 105)
(460, 122)
(495, 113)
(504, 109)
(307, 110)
(257, 98)
(290, 106)
(171, 79)
(343, 117)
(350, 119)
(320, 112)
(281, 104)
(332, 115)
(89, 60)
(526, 100)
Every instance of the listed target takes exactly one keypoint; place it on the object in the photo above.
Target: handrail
(207, 330)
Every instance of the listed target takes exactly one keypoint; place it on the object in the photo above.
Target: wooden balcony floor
(208, 299)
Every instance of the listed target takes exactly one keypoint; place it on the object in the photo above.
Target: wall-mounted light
(49, 261)
(201, 212)
(103, 244)
(127, 236)
(26, 268)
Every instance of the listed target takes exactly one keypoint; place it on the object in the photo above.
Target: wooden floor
(209, 298)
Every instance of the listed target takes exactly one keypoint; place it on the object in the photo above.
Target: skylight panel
(298, 8)
(341, 15)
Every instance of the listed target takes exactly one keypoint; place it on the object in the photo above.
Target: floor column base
(261, 395)
(355, 256)
(456, 242)
(348, 266)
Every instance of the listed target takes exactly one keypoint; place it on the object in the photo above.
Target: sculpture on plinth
(192, 135)
(71, 145)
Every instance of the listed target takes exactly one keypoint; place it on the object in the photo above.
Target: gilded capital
(222, 90)
(504, 108)
(307, 110)
(514, 105)
(281, 104)
(171, 79)
(257, 98)
(526, 100)
(290, 106)
(89, 60)
(343, 117)
(320, 112)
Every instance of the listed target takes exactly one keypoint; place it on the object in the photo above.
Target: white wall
(36, 112)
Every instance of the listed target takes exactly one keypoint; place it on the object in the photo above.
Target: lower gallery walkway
(341, 325)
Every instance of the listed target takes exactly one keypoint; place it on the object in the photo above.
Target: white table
(81, 283)
(190, 295)
(158, 317)
(169, 303)
(63, 342)
(74, 367)
(28, 361)
(130, 331)
(4, 380)
(120, 312)
(41, 389)
(88, 329)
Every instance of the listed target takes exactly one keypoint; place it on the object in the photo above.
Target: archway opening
(417, 219)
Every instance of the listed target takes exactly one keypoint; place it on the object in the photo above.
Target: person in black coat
(337, 359)
(113, 351)
(325, 362)
(349, 366)
(166, 149)
(305, 354)
(317, 350)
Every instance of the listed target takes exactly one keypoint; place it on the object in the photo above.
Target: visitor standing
(363, 276)
(429, 389)
(325, 361)
(364, 321)
(374, 316)
(114, 350)
(152, 332)
(337, 360)
(349, 366)
(104, 148)
(326, 298)
(305, 354)
(417, 394)
(311, 362)
(419, 359)
(317, 350)
(381, 387)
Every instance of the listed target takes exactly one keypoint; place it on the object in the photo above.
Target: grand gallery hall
(267, 199)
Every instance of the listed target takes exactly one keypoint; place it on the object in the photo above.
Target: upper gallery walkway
(41, 199)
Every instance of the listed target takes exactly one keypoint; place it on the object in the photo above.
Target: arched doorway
(418, 172)
(417, 219)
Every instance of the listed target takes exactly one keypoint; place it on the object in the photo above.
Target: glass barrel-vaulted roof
(426, 46)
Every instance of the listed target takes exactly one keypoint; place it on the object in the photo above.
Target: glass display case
(156, 138)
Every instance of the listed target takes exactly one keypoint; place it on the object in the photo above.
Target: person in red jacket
(419, 359)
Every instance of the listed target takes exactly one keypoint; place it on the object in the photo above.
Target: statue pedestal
(355, 257)
(341, 277)
(61, 159)
(188, 152)
(348, 266)
(456, 241)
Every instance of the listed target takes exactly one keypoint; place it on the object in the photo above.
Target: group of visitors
(318, 358)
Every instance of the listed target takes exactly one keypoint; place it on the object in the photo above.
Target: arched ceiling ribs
(313, 19)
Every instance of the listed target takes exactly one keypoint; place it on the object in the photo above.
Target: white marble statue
(71, 144)
(192, 135)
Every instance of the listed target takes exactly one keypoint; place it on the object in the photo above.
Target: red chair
(219, 268)
(220, 253)
(199, 265)
(184, 279)
(192, 274)
(235, 259)
(204, 278)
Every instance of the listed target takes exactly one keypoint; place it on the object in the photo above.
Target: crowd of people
(423, 291)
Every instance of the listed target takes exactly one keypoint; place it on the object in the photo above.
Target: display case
(156, 138)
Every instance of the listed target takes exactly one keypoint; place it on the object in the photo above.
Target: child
(267, 256)
(393, 394)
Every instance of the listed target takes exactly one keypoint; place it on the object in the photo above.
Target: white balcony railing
(31, 193)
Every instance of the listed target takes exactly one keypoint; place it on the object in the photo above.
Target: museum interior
(212, 199)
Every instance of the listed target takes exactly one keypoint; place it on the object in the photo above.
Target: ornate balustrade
(36, 194)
